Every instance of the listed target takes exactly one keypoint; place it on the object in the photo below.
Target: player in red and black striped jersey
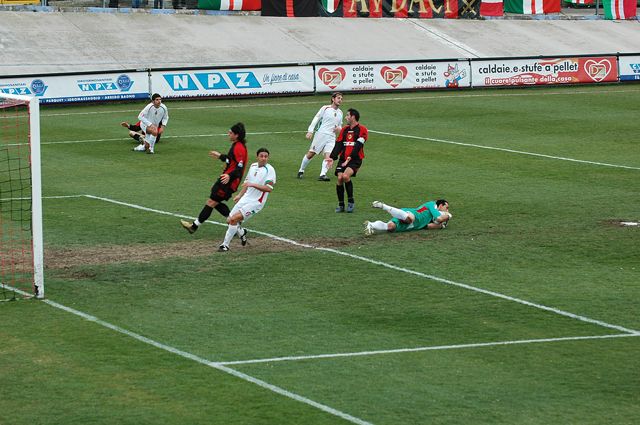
(228, 182)
(349, 151)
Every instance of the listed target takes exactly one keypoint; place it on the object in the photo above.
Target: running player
(323, 128)
(430, 215)
(261, 177)
(228, 181)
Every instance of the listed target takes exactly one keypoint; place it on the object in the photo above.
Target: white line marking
(473, 145)
(44, 197)
(451, 95)
(392, 267)
(187, 136)
(431, 348)
(201, 360)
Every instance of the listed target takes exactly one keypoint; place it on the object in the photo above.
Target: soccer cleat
(300, 174)
(150, 151)
(124, 124)
(377, 204)
(189, 226)
(223, 248)
(324, 178)
(340, 208)
(243, 237)
(350, 207)
(368, 229)
(139, 148)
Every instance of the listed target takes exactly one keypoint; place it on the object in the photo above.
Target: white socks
(325, 167)
(395, 212)
(305, 162)
(379, 226)
(231, 232)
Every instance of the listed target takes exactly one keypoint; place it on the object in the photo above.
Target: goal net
(21, 245)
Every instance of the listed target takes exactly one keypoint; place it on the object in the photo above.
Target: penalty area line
(429, 348)
(473, 145)
(198, 359)
(394, 267)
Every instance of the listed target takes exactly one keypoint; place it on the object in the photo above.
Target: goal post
(21, 233)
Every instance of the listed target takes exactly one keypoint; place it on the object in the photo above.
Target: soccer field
(524, 310)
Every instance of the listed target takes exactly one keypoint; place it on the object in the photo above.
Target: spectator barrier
(292, 79)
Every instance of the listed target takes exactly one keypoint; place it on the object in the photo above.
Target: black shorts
(221, 192)
(354, 165)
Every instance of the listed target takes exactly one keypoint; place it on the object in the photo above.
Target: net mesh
(16, 246)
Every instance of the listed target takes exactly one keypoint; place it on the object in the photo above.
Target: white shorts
(322, 143)
(148, 137)
(247, 208)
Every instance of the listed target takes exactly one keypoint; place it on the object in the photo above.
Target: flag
(290, 8)
(230, 4)
(532, 7)
(491, 8)
(580, 1)
(619, 9)
(450, 9)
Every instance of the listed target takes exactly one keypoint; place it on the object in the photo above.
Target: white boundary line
(201, 360)
(406, 136)
(431, 348)
(473, 145)
(393, 267)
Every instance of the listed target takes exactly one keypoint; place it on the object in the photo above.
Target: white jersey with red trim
(265, 175)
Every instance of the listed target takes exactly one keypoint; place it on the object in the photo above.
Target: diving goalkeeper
(431, 215)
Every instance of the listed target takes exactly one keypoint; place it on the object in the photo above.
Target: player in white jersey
(153, 119)
(323, 129)
(261, 177)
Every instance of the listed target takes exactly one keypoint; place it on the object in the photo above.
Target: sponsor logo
(124, 82)
(38, 87)
(332, 78)
(635, 68)
(597, 70)
(393, 77)
(212, 81)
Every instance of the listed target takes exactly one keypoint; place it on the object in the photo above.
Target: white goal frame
(36, 190)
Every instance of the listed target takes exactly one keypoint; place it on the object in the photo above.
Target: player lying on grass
(430, 215)
(261, 177)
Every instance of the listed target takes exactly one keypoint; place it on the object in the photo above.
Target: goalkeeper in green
(430, 215)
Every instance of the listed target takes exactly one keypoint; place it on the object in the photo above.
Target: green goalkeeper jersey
(424, 214)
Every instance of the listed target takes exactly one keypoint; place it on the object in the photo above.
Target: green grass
(532, 228)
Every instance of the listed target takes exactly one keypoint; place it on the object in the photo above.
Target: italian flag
(491, 8)
(331, 6)
(619, 9)
(532, 7)
(230, 4)
(580, 1)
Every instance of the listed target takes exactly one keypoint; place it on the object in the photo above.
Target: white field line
(392, 267)
(453, 95)
(419, 349)
(187, 136)
(406, 136)
(44, 197)
(473, 145)
(200, 360)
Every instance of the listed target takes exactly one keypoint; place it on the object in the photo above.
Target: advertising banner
(517, 72)
(233, 82)
(392, 76)
(629, 68)
(80, 88)
(417, 9)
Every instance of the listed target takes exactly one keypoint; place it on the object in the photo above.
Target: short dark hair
(336, 94)
(238, 128)
(155, 96)
(441, 202)
(354, 113)
(262, 150)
